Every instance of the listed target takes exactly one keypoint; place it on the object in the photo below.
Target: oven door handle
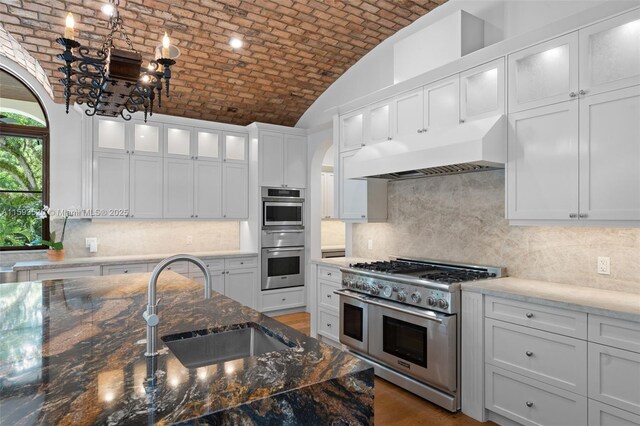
(384, 305)
(273, 250)
(285, 231)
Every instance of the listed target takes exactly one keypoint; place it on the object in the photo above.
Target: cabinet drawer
(605, 415)
(61, 273)
(178, 267)
(326, 298)
(328, 325)
(212, 264)
(240, 262)
(124, 269)
(614, 377)
(282, 300)
(330, 274)
(530, 402)
(553, 359)
(615, 332)
(547, 318)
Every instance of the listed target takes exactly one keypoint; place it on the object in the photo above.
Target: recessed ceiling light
(108, 9)
(235, 43)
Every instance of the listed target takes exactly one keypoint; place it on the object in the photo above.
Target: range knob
(402, 295)
(443, 304)
(416, 297)
(374, 290)
(432, 301)
(388, 291)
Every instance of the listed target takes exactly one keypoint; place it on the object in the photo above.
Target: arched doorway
(24, 166)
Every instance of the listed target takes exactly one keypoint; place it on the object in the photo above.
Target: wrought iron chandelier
(112, 81)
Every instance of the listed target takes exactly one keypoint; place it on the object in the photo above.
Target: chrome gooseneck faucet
(151, 314)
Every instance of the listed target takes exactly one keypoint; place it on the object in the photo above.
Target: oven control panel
(419, 296)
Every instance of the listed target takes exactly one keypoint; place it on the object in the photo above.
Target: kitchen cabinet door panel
(295, 161)
(235, 191)
(146, 138)
(110, 182)
(207, 189)
(542, 169)
(544, 74)
(378, 123)
(110, 136)
(146, 187)
(235, 147)
(442, 103)
(610, 54)
(353, 193)
(241, 285)
(351, 130)
(178, 141)
(178, 188)
(272, 159)
(408, 122)
(482, 91)
(610, 155)
(208, 145)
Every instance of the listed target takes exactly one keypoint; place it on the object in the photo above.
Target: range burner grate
(456, 276)
(392, 267)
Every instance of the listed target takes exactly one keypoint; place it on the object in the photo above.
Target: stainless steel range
(403, 317)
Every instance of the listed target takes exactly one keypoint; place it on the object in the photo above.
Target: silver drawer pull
(242, 263)
(529, 404)
(126, 271)
(328, 274)
(283, 299)
(328, 296)
(528, 353)
(573, 215)
(529, 315)
(328, 324)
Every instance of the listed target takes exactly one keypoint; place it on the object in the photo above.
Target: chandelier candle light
(112, 81)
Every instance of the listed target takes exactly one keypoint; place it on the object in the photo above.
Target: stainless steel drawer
(530, 402)
(551, 358)
(547, 318)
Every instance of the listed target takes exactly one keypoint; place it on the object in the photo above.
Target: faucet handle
(151, 319)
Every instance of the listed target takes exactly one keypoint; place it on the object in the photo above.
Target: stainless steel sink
(206, 347)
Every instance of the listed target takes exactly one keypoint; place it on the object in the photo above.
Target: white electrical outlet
(604, 265)
(91, 244)
(189, 240)
(370, 244)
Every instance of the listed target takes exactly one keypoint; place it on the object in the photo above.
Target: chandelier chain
(115, 26)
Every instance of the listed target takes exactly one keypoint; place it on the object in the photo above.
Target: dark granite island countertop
(72, 353)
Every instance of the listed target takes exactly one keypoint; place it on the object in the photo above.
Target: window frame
(41, 133)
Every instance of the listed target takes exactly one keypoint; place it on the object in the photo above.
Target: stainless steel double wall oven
(282, 238)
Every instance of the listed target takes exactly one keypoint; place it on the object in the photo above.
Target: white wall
(503, 19)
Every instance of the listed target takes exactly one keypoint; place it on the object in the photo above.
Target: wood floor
(392, 405)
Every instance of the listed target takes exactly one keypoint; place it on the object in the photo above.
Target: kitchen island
(72, 352)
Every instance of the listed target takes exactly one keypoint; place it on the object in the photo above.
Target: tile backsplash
(332, 233)
(461, 218)
(140, 237)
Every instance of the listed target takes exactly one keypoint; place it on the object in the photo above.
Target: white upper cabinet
(544, 74)
(408, 117)
(352, 131)
(235, 191)
(178, 188)
(327, 184)
(146, 138)
(235, 147)
(208, 145)
(610, 54)
(482, 91)
(207, 189)
(110, 135)
(378, 126)
(145, 187)
(178, 141)
(283, 160)
(361, 199)
(442, 103)
(610, 155)
(110, 182)
(542, 166)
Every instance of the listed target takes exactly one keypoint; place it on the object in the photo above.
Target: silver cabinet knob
(131, 215)
(582, 92)
(529, 315)
(424, 130)
(328, 296)
(573, 215)
(529, 404)
(419, 130)
(328, 274)
(284, 299)
(364, 216)
(329, 324)
(461, 121)
(363, 144)
(126, 271)
(132, 152)
(583, 215)
(528, 353)
(573, 94)
(389, 138)
(196, 215)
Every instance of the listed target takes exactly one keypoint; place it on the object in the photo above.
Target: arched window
(24, 166)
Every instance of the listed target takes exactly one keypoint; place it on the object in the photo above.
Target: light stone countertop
(332, 248)
(121, 260)
(610, 303)
(340, 262)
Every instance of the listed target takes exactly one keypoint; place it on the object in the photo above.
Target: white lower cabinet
(235, 277)
(605, 415)
(530, 402)
(124, 269)
(547, 365)
(240, 285)
(329, 324)
(273, 300)
(326, 313)
(63, 273)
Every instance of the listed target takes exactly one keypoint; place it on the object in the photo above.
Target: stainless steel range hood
(468, 147)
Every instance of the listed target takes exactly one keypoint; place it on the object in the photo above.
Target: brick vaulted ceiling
(294, 49)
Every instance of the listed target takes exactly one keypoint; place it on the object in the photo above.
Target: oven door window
(405, 340)
(282, 213)
(353, 322)
(278, 266)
